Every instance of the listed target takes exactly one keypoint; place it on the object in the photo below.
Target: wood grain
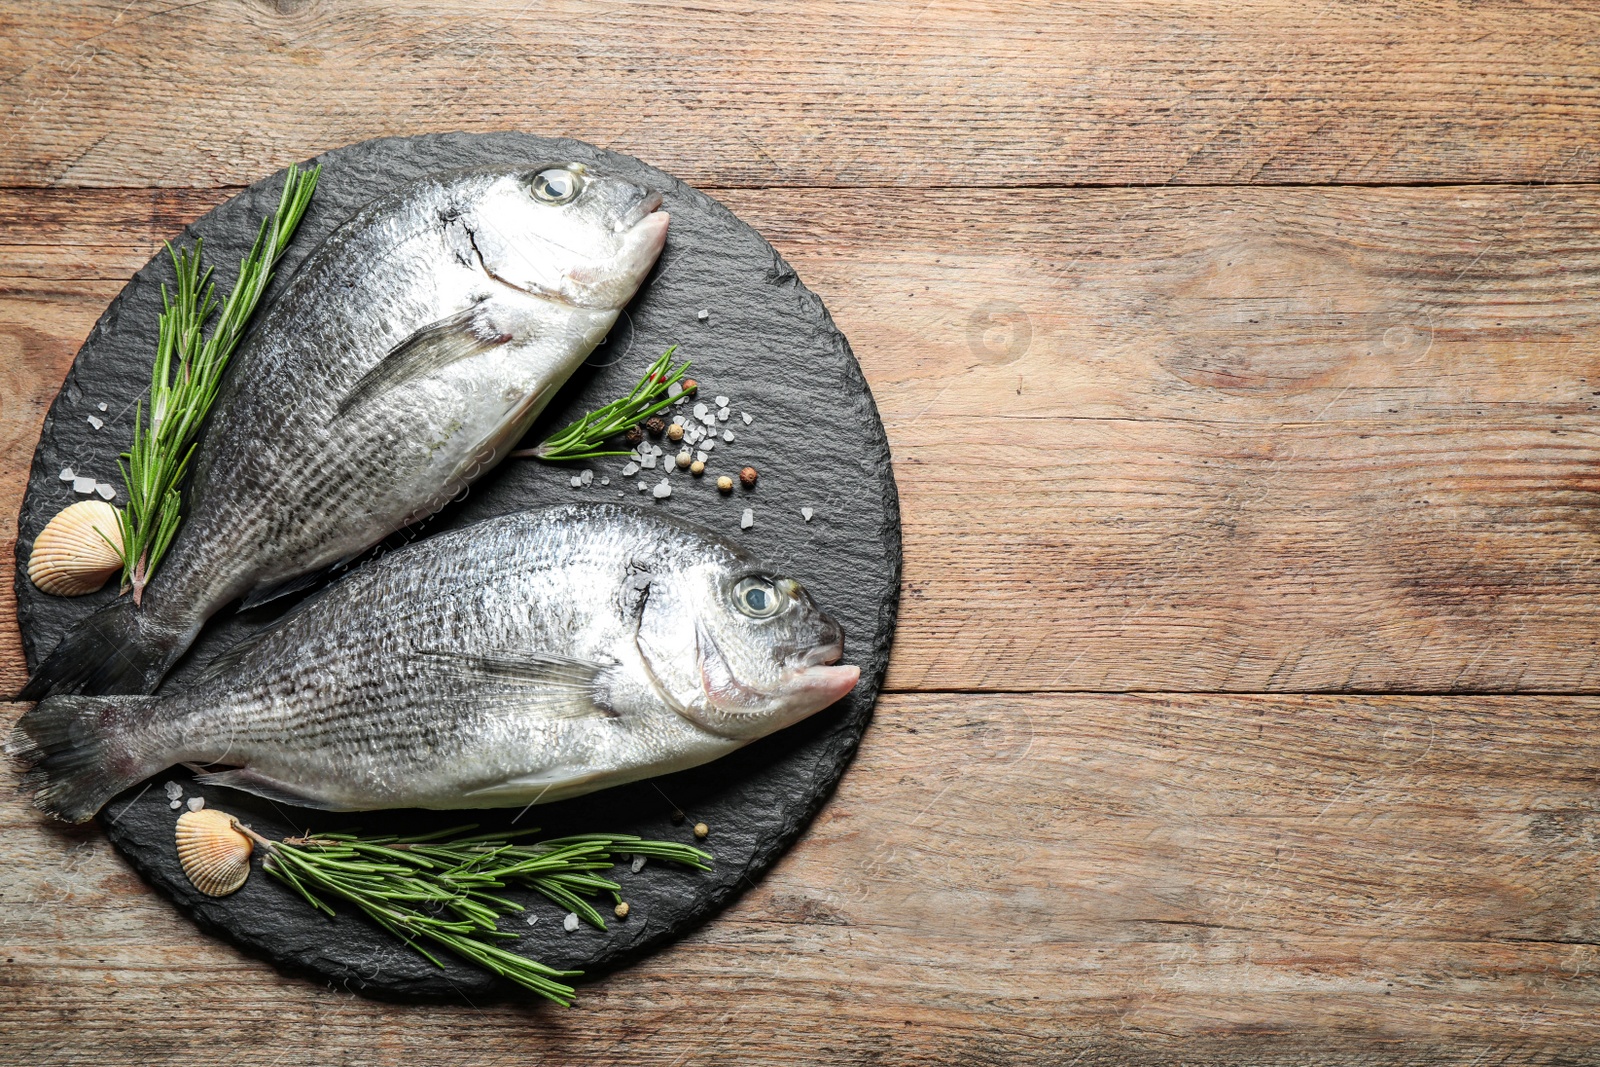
(1203, 439)
(1001, 879)
(831, 92)
(1169, 412)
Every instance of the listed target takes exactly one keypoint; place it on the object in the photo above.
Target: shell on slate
(214, 853)
(69, 556)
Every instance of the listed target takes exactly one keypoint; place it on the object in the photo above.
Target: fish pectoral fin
(559, 685)
(433, 347)
(247, 781)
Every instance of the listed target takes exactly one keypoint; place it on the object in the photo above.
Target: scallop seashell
(69, 557)
(214, 853)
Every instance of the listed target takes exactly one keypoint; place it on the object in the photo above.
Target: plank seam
(6, 187)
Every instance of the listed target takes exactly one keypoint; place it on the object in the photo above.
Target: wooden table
(1241, 362)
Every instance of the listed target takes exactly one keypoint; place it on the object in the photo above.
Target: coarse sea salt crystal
(570, 923)
(175, 805)
(662, 491)
(106, 490)
(727, 435)
(531, 919)
(702, 456)
(638, 864)
(67, 474)
(747, 520)
(96, 421)
(101, 406)
(586, 477)
(674, 389)
(174, 790)
(83, 485)
(704, 314)
(710, 419)
(605, 481)
(643, 485)
(722, 401)
(747, 417)
(196, 803)
(722, 415)
(806, 513)
(574, 481)
(709, 444)
(649, 463)
(700, 410)
(630, 470)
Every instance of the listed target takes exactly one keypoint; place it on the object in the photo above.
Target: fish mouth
(646, 210)
(644, 233)
(820, 656)
(814, 672)
(828, 649)
(827, 684)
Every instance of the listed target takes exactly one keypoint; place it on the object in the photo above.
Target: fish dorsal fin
(433, 347)
(558, 685)
(247, 781)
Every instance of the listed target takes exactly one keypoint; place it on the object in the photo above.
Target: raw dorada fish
(520, 660)
(404, 359)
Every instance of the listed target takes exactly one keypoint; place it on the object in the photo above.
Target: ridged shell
(212, 851)
(69, 557)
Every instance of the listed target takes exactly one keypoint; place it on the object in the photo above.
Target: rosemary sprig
(183, 382)
(586, 438)
(430, 889)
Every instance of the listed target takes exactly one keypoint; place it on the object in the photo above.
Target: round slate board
(768, 344)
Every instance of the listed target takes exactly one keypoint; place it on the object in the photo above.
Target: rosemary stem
(429, 889)
(185, 376)
(586, 438)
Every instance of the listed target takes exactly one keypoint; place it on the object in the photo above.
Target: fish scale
(521, 660)
(405, 358)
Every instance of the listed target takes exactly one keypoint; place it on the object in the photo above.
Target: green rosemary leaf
(587, 437)
(185, 376)
(570, 901)
(430, 890)
(285, 872)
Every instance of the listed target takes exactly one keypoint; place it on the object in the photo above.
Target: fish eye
(556, 185)
(757, 598)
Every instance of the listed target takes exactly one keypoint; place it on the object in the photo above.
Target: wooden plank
(1241, 439)
(829, 92)
(1000, 879)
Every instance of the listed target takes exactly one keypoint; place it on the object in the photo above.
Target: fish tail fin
(81, 751)
(118, 649)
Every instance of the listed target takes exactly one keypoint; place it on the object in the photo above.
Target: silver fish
(405, 358)
(521, 660)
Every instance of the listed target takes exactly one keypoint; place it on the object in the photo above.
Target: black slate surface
(768, 344)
